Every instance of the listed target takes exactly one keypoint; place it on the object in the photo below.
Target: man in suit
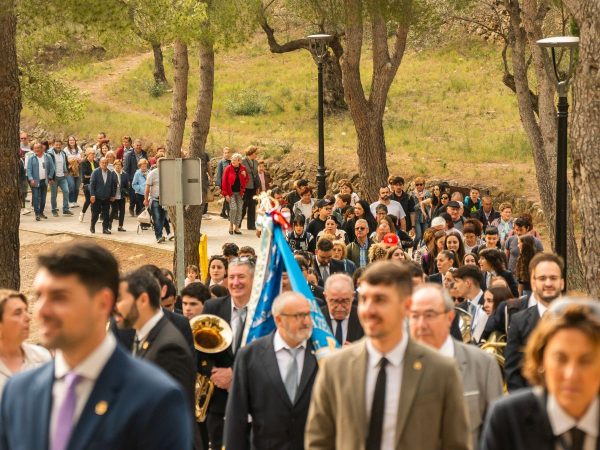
(157, 340)
(218, 366)
(467, 282)
(272, 382)
(40, 172)
(130, 166)
(252, 186)
(340, 314)
(92, 395)
(358, 251)
(547, 283)
(430, 317)
(487, 213)
(387, 391)
(323, 263)
(103, 188)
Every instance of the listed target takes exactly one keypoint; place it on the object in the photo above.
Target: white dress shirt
(89, 369)
(284, 357)
(541, 308)
(344, 325)
(447, 348)
(562, 422)
(33, 356)
(142, 333)
(393, 372)
(532, 300)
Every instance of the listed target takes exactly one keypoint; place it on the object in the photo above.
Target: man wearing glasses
(340, 313)
(272, 382)
(358, 251)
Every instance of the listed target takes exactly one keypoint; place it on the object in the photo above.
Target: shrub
(246, 102)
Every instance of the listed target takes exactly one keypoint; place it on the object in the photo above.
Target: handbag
(144, 217)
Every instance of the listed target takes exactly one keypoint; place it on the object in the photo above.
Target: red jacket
(229, 179)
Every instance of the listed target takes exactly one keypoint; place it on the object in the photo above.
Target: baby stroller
(145, 221)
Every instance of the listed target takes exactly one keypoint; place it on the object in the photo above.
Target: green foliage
(246, 102)
(157, 89)
(42, 91)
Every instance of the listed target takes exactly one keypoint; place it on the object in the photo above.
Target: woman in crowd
(445, 260)
(493, 296)
(16, 355)
(397, 254)
(472, 230)
(493, 263)
(361, 211)
(233, 186)
(332, 230)
(562, 362)
(450, 285)
(339, 254)
(385, 225)
(139, 184)
(471, 259)
(87, 167)
(441, 207)
(104, 149)
(377, 252)
(455, 243)
(74, 155)
(346, 188)
(118, 206)
(217, 271)
(298, 238)
(305, 205)
(527, 250)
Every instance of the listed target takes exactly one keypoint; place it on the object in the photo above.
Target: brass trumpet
(211, 335)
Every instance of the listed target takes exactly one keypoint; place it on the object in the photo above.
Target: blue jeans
(38, 194)
(59, 182)
(420, 227)
(158, 217)
(73, 183)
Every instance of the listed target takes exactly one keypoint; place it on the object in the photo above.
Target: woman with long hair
(75, 157)
(493, 263)
(527, 250)
(493, 296)
(362, 210)
(455, 243)
(16, 355)
(217, 271)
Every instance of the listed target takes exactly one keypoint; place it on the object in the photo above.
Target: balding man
(430, 317)
(272, 382)
(340, 313)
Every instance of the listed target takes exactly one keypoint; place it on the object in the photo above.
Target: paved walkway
(217, 229)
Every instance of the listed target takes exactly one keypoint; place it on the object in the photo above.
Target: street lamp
(318, 45)
(562, 86)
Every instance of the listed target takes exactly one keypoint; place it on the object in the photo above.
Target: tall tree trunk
(178, 114)
(199, 134)
(159, 66)
(585, 136)
(10, 110)
(367, 114)
(526, 19)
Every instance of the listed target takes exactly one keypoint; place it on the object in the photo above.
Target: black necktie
(339, 335)
(577, 438)
(377, 409)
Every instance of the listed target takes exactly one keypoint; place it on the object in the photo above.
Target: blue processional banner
(275, 257)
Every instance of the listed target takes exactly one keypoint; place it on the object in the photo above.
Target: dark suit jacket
(100, 189)
(334, 267)
(125, 183)
(355, 330)
(130, 165)
(258, 390)
(519, 422)
(143, 410)
(435, 278)
(521, 326)
(219, 307)
(497, 321)
(493, 216)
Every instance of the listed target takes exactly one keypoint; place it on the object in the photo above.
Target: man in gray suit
(272, 382)
(430, 317)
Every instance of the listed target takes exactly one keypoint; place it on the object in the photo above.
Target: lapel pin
(417, 365)
(145, 345)
(101, 408)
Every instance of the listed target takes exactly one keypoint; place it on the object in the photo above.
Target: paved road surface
(217, 229)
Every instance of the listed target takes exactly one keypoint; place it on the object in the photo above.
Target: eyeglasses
(427, 316)
(360, 228)
(544, 278)
(418, 184)
(340, 301)
(444, 197)
(297, 316)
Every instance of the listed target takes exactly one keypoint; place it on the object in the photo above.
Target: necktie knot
(383, 362)
(72, 379)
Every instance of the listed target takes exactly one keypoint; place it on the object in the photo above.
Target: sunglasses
(444, 197)
(361, 228)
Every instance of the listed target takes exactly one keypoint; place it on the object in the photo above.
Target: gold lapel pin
(417, 365)
(101, 408)
(145, 345)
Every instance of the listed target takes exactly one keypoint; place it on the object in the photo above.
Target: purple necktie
(64, 422)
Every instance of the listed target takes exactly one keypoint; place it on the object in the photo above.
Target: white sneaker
(206, 217)
(25, 211)
(81, 216)
(73, 205)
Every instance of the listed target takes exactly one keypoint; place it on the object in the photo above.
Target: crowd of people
(454, 332)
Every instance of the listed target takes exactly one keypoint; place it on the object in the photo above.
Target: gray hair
(236, 156)
(242, 262)
(362, 221)
(441, 291)
(282, 299)
(339, 277)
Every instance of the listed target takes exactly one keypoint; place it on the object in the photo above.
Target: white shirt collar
(447, 348)
(562, 422)
(91, 366)
(475, 300)
(143, 332)
(394, 356)
(541, 308)
(532, 301)
(280, 344)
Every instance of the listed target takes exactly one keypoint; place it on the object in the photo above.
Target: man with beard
(547, 283)
(394, 208)
(156, 339)
(92, 395)
(272, 382)
(387, 391)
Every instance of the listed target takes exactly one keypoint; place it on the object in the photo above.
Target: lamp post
(562, 86)
(318, 45)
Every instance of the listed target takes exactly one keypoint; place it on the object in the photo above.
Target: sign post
(180, 183)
